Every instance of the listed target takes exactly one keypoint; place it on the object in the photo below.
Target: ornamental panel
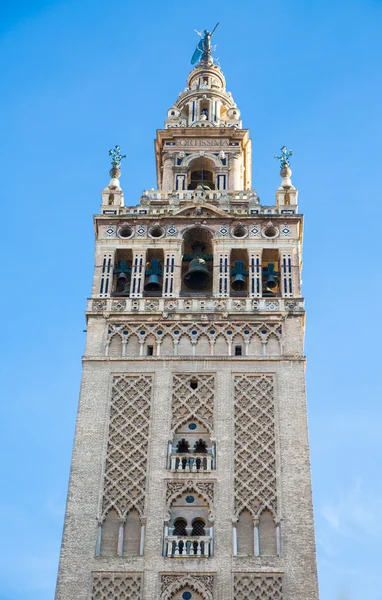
(126, 459)
(193, 398)
(116, 586)
(257, 586)
(255, 456)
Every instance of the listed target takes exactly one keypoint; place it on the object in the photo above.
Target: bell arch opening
(201, 173)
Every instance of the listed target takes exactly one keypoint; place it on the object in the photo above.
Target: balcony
(188, 547)
(191, 463)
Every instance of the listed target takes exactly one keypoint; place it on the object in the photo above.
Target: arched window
(182, 446)
(198, 527)
(180, 527)
(200, 447)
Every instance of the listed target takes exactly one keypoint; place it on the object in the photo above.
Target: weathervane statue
(203, 51)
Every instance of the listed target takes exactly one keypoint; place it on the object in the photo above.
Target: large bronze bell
(238, 282)
(198, 276)
(153, 284)
(270, 276)
(154, 280)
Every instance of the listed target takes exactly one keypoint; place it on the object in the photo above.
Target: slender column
(212, 536)
(165, 536)
(169, 452)
(278, 537)
(256, 540)
(255, 275)
(138, 273)
(168, 173)
(235, 164)
(142, 542)
(124, 345)
(234, 536)
(122, 522)
(100, 521)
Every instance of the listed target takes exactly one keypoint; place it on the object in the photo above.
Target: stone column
(100, 521)
(122, 522)
(234, 536)
(138, 273)
(142, 542)
(255, 287)
(256, 540)
(235, 178)
(168, 173)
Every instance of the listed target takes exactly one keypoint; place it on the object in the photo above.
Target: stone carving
(255, 305)
(238, 304)
(200, 584)
(291, 305)
(99, 305)
(177, 488)
(110, 231)
(193, 403)
(152, 305)
(272, 305)
(118, 305)
(126, 459)
(220, 305)
(285, 230)
(172, 230)
(124, 586)
(170, 305)
(257, 586)
(255, 452)
(194, 330)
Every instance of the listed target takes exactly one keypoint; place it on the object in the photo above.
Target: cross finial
(116, 155)
(284, 156)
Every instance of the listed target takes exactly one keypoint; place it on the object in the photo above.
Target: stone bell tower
(190, 477)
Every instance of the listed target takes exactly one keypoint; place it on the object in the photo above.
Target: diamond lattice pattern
(255, 462)
(188, 402)
(126, 460)
(257, 586)
(116, 586)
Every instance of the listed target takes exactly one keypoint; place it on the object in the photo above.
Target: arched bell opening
(197, 263)
(154, 273)
(201, 173)
(239, 272)
(122, 273)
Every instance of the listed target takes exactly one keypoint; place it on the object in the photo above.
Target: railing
(191, 463)
(195, 304)
(188, 547)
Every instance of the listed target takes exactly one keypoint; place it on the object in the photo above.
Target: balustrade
(187, 547)
(192, 463)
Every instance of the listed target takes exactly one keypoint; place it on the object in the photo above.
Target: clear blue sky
(80, 76)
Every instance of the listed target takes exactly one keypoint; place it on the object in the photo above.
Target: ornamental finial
(117, 157)
(284, 156)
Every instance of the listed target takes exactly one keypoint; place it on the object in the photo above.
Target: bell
(270, 281)
(153, 283)
(154, 275)
(198, 276)
(238, 282)
(122, 277)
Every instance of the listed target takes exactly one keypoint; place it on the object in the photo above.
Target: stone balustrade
(188, 547)
(191, 463)
(203, 304)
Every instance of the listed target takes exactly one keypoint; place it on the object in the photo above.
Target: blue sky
(79, 77)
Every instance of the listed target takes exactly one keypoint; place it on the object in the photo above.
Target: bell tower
(190, 476)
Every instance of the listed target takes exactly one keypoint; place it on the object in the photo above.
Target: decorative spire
(285, 171)
(203, 51)
(115, 172)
